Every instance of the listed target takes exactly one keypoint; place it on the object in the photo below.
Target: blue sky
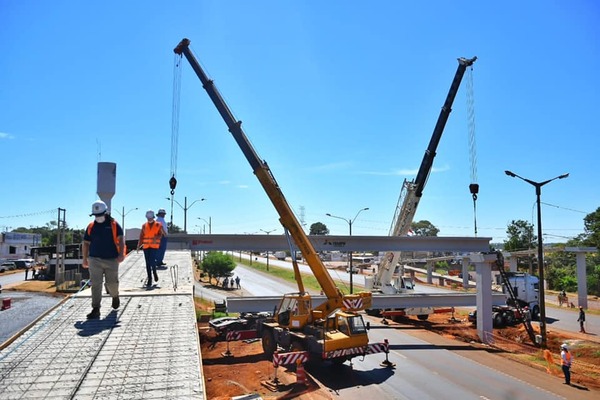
(339, 97)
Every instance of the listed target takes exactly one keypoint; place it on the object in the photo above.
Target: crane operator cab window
(293, 311)
(342, 325)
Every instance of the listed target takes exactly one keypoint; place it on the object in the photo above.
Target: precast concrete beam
(181, 241)
(269, 303)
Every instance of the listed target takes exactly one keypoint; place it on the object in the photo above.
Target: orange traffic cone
(301, 374)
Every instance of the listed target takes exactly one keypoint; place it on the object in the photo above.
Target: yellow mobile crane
(334, 330)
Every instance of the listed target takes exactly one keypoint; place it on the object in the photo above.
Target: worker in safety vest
(566, 361)
(149, 240)
(161, 213)
(103, 250)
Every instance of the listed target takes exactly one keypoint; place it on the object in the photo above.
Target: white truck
(526, 289)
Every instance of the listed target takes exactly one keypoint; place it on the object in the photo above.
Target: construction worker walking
(103, 249)
(149, 240)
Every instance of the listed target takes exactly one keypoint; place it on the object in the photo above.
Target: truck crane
(410, 195)
(333, 330)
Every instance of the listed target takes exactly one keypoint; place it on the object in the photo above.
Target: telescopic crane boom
(413, 190)
(333, 329)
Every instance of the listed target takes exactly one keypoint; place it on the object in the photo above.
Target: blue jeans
(150, 257)
(567, 372)
(160, 255)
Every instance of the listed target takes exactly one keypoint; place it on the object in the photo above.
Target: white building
(15, 245)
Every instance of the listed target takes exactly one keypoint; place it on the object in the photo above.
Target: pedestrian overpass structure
(477, 249)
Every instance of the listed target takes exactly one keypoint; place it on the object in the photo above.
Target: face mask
(100, 219)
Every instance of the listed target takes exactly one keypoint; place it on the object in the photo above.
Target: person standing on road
(160, 217)
(237, 281)
(103, 250)
(149, 240)
(566, 361)
(581, 320)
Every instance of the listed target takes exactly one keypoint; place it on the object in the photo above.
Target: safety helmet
(161, 211)
(563, 346)
(150, 214)
(98, 208)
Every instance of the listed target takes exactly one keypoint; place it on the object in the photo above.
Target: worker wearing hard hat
(160, 217)
(103, 250)
(150, 236)
(566, 360)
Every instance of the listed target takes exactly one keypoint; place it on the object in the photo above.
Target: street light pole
(350, 222)
(267, 232)
(123, 215)
(209, 222)
(185, 209)
(538, 193)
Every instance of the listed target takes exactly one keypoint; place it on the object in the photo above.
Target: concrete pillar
(483, 298)
(429, 272)
(465, 272)
(581, 281)
(581, 272)
(513, 264)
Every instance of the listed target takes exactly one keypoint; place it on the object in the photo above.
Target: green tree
(424, 228)
(217, 265)
(318, 228)
(520, 236)
(591, 225)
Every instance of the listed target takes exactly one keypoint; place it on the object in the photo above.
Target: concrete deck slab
(146, 349)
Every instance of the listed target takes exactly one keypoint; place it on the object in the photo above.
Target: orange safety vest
(566, 362)
(151, 235)
(113, 225)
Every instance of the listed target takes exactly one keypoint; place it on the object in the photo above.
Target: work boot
(95, 314)
(155, 276)
(116, 302)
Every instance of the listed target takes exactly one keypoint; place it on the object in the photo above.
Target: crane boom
(335, 299)
(411, 192)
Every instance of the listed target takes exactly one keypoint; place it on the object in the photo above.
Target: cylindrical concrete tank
(107, 181)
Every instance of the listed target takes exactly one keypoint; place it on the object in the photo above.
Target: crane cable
(474, 186)
(175, 126)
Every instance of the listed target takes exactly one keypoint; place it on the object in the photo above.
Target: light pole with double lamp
(123, 214)
(185, 209)
(350, 222)
(538, 193)
(267, 232)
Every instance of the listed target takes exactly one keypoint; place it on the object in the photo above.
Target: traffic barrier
(6, 302)
(289, 358)
(301, 374)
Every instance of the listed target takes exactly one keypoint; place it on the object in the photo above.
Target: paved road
(428, 366)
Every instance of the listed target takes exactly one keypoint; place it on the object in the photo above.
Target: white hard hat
(98, 208)
(161, 211)
(150, 214)
(563, 346)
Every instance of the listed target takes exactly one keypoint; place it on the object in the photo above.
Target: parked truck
(333, 330)
(526, 289)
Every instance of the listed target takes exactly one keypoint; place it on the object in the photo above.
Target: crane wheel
(423, 317)
(268, 343)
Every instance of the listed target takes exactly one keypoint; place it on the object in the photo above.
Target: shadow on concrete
(92, 327)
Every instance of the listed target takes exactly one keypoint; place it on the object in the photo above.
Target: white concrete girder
(183, 241)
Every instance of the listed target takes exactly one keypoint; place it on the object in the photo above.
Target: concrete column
(513, 264)
(581, 272)
(581, 281)
(429, 272)
(465, 272)
(483, 298)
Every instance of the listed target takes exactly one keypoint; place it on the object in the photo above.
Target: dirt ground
(247, 369)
